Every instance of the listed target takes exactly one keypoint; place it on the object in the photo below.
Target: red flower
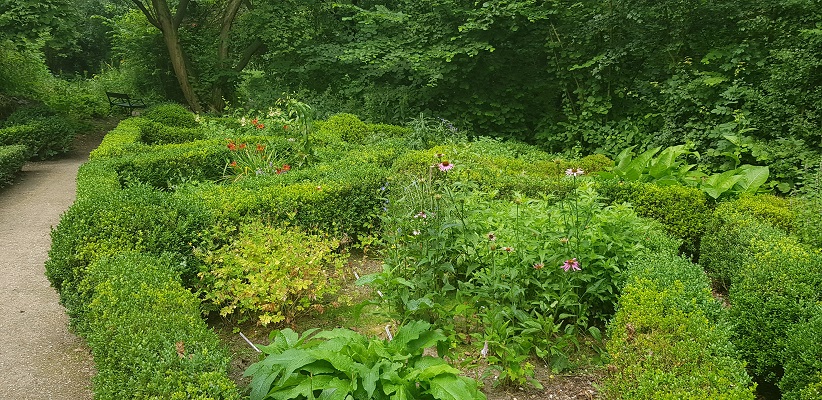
(232, 146)
(260, 148)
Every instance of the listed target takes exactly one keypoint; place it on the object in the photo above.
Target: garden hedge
(670, 338)
(682, 210)
(775, 290)
(12, 159)
(171, 114)
(803, 359)
(728, 242)
(145, 332)
(44, 137)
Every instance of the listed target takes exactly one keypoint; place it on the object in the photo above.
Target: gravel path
(39, 357)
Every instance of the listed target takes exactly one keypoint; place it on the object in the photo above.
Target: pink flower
(445, 165)
(571, 264)
(574, 172)
(421, 214)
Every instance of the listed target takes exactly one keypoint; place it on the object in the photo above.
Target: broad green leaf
(717, 184)
(664, 164)
(623, 159)
(753, 177)
(451, 387)
(437, 370)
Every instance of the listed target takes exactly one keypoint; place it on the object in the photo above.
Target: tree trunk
(168, 27)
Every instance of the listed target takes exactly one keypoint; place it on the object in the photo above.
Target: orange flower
(232, 146)
(242, 146)
(286, 168)
(260, 148)
(260, 126)
(285, 127)
(233, 164)
(254, 121)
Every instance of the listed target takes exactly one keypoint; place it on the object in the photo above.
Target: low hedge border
(683, 211)
(775, 290)
(146, 334)
(670, 339)
(12, 159)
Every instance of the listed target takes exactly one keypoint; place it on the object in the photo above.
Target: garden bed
(528, 272)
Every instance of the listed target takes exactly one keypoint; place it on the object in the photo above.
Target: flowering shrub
(269, 274)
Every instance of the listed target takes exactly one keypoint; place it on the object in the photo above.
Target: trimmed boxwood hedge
(12, 159)
(145, 332)
(670, 339)
(775, 290)
(803, 359)
(683, 211)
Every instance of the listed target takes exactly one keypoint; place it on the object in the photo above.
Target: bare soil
(40, 358)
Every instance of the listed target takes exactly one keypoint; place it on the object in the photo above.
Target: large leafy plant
(344, 365)
(668, 168)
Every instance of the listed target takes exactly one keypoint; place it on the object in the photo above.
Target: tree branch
(249, 52)
(152, 19)
(181, 12)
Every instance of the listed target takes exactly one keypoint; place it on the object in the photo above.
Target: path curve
(40, 358)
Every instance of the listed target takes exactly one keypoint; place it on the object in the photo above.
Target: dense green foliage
(146, 334)
(670, 338)
(731, 234)
(803, 358)
(268, 274)
(774, 291)
(681, 210)
(343, 364)
(12, 159)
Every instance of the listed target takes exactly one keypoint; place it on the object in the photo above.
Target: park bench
(124, 101)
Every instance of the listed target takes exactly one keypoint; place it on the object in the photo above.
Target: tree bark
(169, 24)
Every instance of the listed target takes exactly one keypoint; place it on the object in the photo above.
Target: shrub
(808, 219)
(172, 115)
(346, 364)
(26, 115)
(108, 223)
(776, 211)
(727, 244)
(773, 291)
(668, 339)
(346, 126)
(122, 140)
(167, 166)
(338, 198)
(44, 137)
(145, 332)
(682, 210)
(97, 178)
(803, 358)
(12, 159)
(269, 274)
(156, 133)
